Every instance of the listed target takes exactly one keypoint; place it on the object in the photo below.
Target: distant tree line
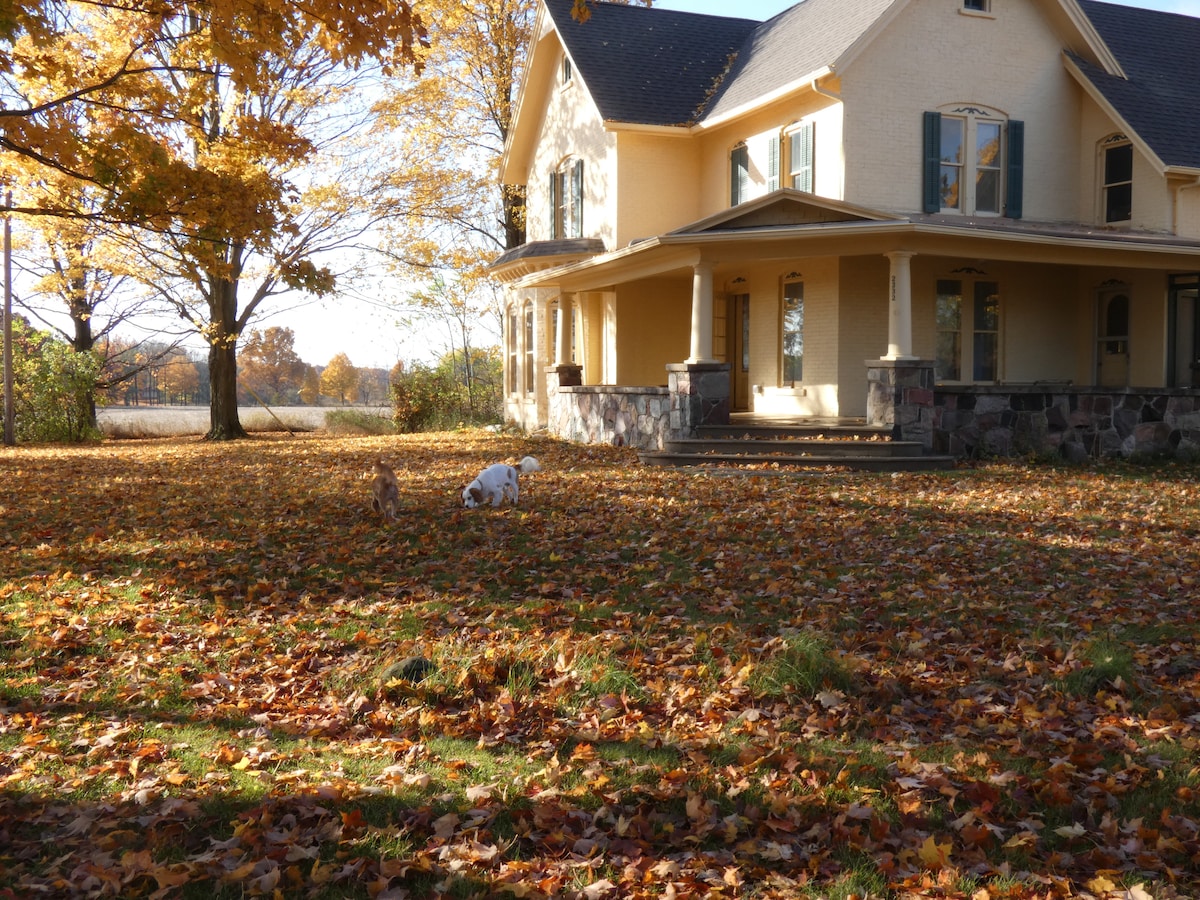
(58, 387)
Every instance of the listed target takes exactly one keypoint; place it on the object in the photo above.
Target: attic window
(567, 72)
(983, 6)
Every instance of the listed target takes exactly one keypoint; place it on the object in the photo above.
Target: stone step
(796, 446)
(841, 431)
(872, 462)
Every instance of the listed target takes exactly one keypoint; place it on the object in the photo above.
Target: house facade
(909, 211)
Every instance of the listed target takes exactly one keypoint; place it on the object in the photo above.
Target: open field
(224, 676)
(173, 421)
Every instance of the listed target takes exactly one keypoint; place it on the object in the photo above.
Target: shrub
(449, 394)
(53, 388)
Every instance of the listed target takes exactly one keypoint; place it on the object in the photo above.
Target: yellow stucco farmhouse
(975, 223)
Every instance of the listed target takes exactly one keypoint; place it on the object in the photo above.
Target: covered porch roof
(789, 224)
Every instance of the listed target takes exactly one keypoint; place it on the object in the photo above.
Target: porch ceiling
(985, 239)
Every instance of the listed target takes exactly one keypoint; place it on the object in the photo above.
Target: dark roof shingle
(649, 66)
(1160, 54)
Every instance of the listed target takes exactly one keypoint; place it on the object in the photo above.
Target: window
(968, 168)
(1117, 189)
(566, 200)
(739, 174)
(793, 333)
(566, 73)
(800, 158)
(513, 358)
(976, 318)
(977, 5)
(529, 348)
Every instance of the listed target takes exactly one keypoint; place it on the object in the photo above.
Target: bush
(431, 399)
(53, 388)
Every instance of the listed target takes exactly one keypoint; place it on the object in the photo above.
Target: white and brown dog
(385, 490)
(498, 482)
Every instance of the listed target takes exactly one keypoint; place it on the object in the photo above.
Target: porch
(908, 417)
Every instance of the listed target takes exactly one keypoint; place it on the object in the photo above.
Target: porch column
(702, 314)
(562, 334)
(567, 372)
(900, 305)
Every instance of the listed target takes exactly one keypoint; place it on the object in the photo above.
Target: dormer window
(1117, 186)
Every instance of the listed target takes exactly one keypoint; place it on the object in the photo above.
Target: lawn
(224, 676)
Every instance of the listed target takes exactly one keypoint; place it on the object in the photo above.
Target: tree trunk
(83, 342)
(224, 424)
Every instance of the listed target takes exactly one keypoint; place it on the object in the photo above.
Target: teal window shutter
(1015, 190)
(577, 199)
(801, 152)
(932, 193)
(773, 166)
(739, 174)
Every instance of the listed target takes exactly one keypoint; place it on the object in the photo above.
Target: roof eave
(1098, 97)
(792, 87)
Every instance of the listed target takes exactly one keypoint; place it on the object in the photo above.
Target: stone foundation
(1073, 423)
(641, 417)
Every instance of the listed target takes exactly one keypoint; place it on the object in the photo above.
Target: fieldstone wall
(1075, 423)
(641, 417)
(699, 396)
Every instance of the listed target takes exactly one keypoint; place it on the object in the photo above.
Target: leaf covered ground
(224, 676)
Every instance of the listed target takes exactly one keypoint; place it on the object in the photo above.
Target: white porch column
(900, 305)
(562, 334)
(702, 314)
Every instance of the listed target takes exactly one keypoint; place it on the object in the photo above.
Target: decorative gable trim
(785, 207)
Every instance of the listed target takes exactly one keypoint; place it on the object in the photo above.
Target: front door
(737, 338)
(1183, 331)
(1112, 337)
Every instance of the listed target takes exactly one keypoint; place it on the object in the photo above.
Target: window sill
(977, 13)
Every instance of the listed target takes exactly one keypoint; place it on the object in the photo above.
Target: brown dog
(385, 490)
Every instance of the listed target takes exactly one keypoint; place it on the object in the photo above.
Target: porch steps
(813, 445)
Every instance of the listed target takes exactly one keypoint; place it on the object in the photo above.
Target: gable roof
(1160, 54)
(648, 66)
(807, 38)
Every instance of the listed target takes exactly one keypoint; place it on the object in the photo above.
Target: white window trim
(968, 327)
(1112, 142)
(789, 169)
(971, 117)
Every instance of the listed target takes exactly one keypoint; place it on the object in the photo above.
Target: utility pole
(9, 431)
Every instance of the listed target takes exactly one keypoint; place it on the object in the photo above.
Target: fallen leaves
(221, 669)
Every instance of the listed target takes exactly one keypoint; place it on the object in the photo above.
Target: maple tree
(230, 677)
(199, 118)
(108, 61)
(270, 366)
(339, 379)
